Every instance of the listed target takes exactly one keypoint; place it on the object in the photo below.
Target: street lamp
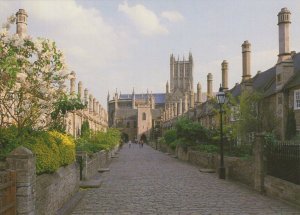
(221, 100)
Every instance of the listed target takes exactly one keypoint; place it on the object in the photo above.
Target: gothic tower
(181, 74)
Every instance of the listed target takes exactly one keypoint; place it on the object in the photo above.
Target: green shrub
(170, 136)
(209, 148)
(52, 149)
(98, 141)
(190, 131)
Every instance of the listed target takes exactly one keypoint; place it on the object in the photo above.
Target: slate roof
(159, 97)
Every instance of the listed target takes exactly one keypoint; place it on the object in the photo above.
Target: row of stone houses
(279, 86)
(94, 114)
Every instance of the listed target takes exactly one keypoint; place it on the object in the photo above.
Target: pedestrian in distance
(142, 143)
(129, 143)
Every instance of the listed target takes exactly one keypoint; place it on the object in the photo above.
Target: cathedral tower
(181, 74)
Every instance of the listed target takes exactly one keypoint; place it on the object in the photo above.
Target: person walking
(129, 143)
(142, 143)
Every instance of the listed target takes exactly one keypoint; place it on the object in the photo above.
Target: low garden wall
(46, 193)
(282, 189)
(236, 168)
(92, 163)
(53, 190)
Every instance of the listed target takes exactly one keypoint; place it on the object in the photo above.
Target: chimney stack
(284, 21)
(225, 75)
(72, 83)
(21, 22)
(198, 92)
(246, 51)
(80, 90)
(209, 86)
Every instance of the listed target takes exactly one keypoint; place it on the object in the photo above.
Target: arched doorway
(144, 138)
(124, 137)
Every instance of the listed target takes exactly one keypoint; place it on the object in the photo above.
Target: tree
(32, 77)
(250, 119)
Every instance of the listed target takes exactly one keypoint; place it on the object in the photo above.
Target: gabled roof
(295, 79)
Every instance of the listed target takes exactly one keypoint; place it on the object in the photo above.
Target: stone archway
(144, 138)
(124, 137)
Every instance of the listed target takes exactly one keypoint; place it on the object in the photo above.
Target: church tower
(181, 74)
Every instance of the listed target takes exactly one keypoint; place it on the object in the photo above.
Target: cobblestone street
(145, 181)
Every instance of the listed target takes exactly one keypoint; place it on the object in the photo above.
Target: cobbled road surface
(145, 181)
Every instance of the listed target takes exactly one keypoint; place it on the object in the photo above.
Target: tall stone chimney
(209, 86)
(80, 90)
(167, 87)
(72, 83)
(284, 21)
(86, 96)
(21, 22)
(133, 99)
(225, 75)
(198, 92)
(91, 104)
(246, 51)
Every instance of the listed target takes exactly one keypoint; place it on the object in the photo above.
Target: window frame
(296, 93)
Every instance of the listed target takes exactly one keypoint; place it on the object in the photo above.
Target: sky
(124, 44)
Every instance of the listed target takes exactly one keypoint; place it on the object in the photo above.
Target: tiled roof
(159, 97)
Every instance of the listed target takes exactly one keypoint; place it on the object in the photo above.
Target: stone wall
(182, 153)
(46, 193)
(53, 190)
(92, 163)
(202, 159)
(236, 168)
(240, 170)
(282, 189)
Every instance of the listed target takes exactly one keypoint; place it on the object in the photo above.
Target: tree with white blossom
(32, 79)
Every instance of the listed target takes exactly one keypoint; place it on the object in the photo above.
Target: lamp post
(221, 101)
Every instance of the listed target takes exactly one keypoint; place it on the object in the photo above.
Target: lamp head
(221, 96)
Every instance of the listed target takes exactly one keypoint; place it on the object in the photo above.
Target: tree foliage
(32, 77)
(191, 131)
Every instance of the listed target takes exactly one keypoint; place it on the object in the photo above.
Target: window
(144, 116)
(278, 78)
(134, 124)
(297, 99)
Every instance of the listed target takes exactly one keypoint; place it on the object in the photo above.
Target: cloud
(91, 45)
(146, 21)
(172, 16)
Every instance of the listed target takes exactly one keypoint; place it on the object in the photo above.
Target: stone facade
(135, 114)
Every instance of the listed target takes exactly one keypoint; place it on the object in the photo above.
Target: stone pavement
(145, 181)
